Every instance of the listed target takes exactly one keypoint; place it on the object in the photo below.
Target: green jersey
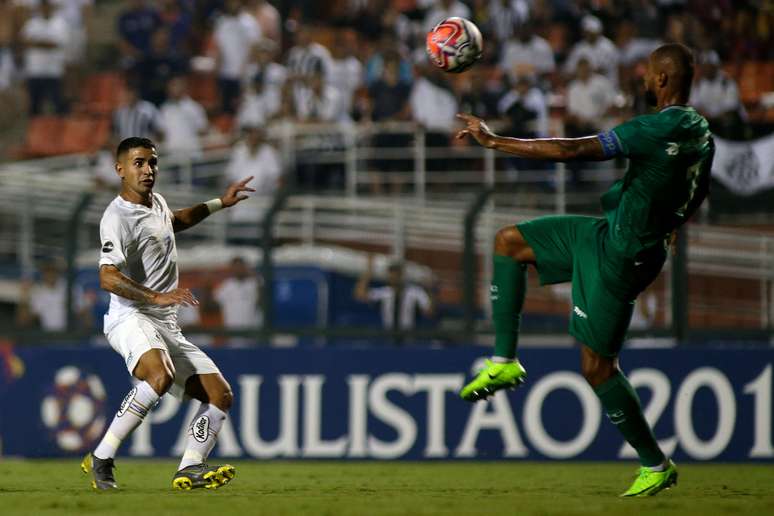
(670, 156)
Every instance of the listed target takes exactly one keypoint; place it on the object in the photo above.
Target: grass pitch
(45, 487)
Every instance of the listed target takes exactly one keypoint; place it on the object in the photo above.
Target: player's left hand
(233, 196)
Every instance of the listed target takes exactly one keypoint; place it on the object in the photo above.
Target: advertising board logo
(73, 409)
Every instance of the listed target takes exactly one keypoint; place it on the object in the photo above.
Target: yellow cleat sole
(215, 479)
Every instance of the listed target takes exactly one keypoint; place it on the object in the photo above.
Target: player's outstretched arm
(553, 149)
(188, 217)
(112, 280)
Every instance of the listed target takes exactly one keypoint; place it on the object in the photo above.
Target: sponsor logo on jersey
(107, 247)
(580, 313)
(673, 149)
(201, 429)
(127, 401)
(617, 417)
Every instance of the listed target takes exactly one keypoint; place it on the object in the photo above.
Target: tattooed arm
(112, 280)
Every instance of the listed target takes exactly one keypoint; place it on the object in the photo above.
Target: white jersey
(140, 242)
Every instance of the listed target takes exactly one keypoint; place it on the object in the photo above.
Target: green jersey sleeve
(633, 137)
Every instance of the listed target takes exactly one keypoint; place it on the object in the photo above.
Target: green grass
(44, 487)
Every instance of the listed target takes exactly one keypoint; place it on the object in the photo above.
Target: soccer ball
(454, 44)
(74, 409)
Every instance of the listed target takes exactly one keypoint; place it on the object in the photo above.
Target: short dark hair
(682, 61)
(132, 143)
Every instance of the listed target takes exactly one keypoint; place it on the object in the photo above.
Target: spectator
(590, 97)
(409, 297)
(158, 67)
(526, 108)
(374, 67)
(529, 53)
(176, 21)
(78, 14)
(268, 18)
(481, 92)
(44, 304)
(104, 171)
(307, 57)
(434, 107)
(136, 25)
(254, 156)
(135, 117)
(235, 34)
(505, 16)
(346, 72)
(316, 101)
(633, 47)
(7, 42)
(389, 102)
(263, 85)
(45, 39)
(600, 51)
(183, 121)
(716, 96)
(441, 10)
(238, 297)
(645, 311)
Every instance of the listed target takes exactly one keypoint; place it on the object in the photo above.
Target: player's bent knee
(226, 400)
(510, 242)
(161, 381)
(597, 372)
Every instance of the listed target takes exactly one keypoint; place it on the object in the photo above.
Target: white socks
(502, 360)
(133, 410)
(202, 434)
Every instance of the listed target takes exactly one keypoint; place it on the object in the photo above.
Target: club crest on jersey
(107, 247)
(127, 401)
(201, 429)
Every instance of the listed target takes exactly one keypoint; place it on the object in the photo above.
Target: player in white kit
(138, 266)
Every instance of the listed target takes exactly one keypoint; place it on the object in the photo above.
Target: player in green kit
(609, 260)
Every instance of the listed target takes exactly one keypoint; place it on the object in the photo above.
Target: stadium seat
(750, 81)
(203, 88)
(42, 138)
(84, 134)
(102, 93)
(223, 123)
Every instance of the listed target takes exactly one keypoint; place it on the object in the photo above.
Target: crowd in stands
(183, 69)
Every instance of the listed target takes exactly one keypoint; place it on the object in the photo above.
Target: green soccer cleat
(650, 482)
(202, 475)
(492, 378)
(102, 472)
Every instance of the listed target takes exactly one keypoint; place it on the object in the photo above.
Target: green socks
(509, 286)
(622, 406)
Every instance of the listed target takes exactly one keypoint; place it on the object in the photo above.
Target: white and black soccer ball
(454, 45)
(73, 409)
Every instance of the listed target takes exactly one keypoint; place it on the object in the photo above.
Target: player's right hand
(476, 128)
(179, 296)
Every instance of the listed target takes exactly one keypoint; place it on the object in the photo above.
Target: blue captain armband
(611, 146)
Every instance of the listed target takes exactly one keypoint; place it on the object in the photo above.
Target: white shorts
(138, 333)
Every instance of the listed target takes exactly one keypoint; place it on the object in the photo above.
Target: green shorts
(604, 283)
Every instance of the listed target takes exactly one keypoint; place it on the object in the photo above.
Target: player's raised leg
(512, 253)
(216, 398)
(156, 374)
(622, 406)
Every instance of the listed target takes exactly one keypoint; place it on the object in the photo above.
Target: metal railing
(38, 198)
